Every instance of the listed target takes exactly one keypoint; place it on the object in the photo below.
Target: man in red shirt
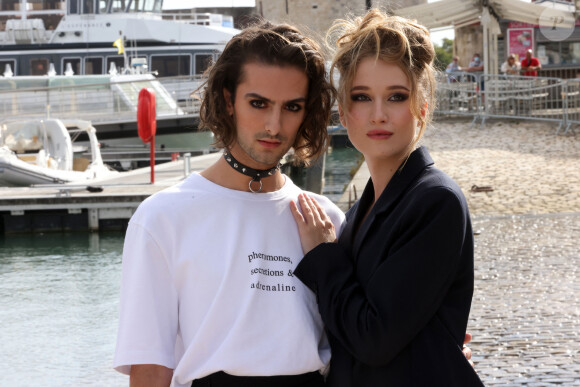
(530, 65)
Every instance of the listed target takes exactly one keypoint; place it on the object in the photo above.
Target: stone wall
(317, 15)
(468, 41)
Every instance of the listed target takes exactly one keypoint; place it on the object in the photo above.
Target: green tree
(443, 54)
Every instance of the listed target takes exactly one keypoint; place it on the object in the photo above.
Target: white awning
(443, 13)
(459, 13)
(532, 13)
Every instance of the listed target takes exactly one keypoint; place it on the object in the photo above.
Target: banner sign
(520, 40)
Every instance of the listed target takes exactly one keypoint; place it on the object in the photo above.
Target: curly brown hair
(392, 39)
(270, 44)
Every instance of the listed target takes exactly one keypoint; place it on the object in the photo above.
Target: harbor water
(58, 309)
(59, 297)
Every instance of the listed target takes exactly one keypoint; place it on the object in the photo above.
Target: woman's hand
(467, 350)
(314, 225)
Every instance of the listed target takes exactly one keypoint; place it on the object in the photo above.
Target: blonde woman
(395, 291)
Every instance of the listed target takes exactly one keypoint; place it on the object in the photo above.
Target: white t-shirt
(207, 285)
(505, 66)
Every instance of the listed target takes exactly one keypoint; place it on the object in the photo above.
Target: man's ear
(229, 103)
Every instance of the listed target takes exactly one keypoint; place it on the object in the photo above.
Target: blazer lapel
(346, 234)
(399, 184)
(354, 215)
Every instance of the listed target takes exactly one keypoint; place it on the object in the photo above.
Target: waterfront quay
(525, 210)
(105, 204)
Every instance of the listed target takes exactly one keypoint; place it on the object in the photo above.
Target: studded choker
(255, 174)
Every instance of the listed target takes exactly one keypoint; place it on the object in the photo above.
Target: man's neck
(223, 174)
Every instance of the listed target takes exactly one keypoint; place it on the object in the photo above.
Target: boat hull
(15, 173)
(41, 152)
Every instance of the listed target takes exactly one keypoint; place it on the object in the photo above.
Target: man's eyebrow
(256, 95)
(393, 87)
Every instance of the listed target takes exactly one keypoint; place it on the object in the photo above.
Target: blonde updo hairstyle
(392, 39)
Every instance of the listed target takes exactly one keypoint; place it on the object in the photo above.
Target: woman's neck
(382, 171)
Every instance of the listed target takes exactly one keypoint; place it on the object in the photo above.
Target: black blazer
(395, 296)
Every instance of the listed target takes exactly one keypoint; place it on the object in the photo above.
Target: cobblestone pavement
(530, 169)
(526, 310)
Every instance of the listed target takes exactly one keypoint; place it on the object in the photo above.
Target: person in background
(530, 65)
(453, 67)
(395, 290)
(510, 66)
(476, 65)
(451, 70)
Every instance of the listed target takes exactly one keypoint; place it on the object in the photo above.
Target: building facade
(317, 15)
(557, 49)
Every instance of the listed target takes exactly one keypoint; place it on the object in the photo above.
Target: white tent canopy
(459, 13)
(443, 13)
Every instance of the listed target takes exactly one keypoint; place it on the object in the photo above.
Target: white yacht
(88, 59)
(77, 37)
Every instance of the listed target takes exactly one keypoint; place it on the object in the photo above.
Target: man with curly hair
(208, 294)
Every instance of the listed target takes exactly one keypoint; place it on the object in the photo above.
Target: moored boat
(91, 42)
(42, 152)
(88, 37)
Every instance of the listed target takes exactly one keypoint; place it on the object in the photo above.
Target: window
(11, 63)
(102, 6)
(8, 5)
(570, 52)
(172, 65)
(93, 65)
(73, 7)
(75, 65)
(119, 62)
(88, 6)
(575, 52)
(119, 6)
(559, 53)
(202, 62)
(38, 66)
(146, 5)
(549, 53)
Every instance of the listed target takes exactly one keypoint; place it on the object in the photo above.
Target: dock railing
(99, 99)
(185, 90)
(486, 96)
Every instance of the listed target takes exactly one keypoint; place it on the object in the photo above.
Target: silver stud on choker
(255, 174)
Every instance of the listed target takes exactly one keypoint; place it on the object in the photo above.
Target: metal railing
(486, 96)
(560, 72)
(99, 99)
(458, 94)
(533, 98)
(182, 89)
(104, 99)
(571, 98)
